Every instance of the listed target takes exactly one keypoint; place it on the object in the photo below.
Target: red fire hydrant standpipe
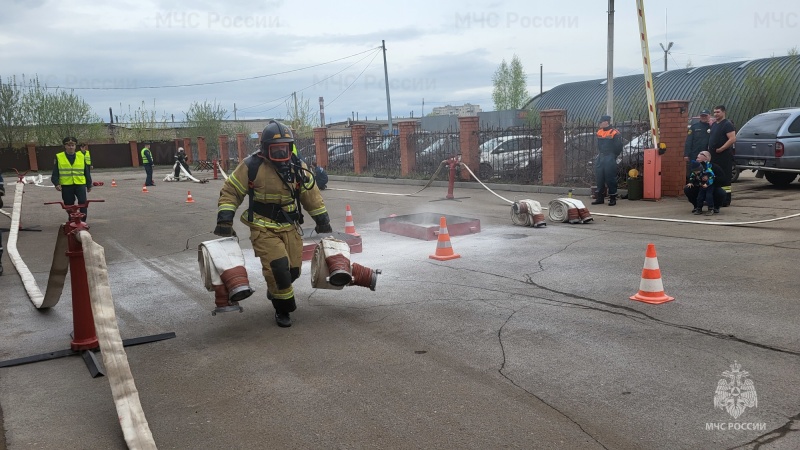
(453, 162)
(84, 336)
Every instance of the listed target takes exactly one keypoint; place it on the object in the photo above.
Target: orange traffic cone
(189, 198)
(144, 189)
(349, 226)
(113, 183)
(651, 289)
(444, 251)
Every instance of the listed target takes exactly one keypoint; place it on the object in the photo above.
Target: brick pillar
(134, 153)
(321, 145)
(202, 152)
(241, 146)
(468, 138)
(553, 121)
(187, 145)
(32, 162)
(358, 133)
(223, 150)
(673, 115)
(408, 151)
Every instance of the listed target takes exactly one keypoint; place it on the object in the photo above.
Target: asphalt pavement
(528, 340)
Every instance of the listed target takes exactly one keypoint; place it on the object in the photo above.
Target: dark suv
(769, 144)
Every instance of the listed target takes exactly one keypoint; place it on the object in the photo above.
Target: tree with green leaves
(29, 111)
(12, 117)
(510, 85)
(206, 119)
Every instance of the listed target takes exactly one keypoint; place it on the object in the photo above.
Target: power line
(359, 75)
(310, 86)
(210, 82)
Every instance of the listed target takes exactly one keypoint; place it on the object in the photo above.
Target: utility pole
(666, 52)
(294, 94)
(610, 62)
(541, 82)
(234, 111)
(321, 112)
(386, 77)
(423, 107)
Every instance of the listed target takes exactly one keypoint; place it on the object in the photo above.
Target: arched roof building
(746, 88)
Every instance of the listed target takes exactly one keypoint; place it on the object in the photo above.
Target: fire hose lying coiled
(568, 210)
(171, 177)
(527, 213)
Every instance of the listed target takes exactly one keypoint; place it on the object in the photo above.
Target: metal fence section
(383, 156)
(580, 150)
(510, 155)
(340, 156)
(431, 148)
(306, 149)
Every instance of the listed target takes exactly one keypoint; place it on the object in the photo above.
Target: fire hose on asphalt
(126, 397)
(565, 202)
(123, 388)
(171, 177)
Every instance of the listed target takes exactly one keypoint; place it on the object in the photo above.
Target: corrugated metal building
(728, 84)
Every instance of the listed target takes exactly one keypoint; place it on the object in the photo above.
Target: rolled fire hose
(58, 269)
(223, 271)
(134, 424)
(568, 210)
(527, 213)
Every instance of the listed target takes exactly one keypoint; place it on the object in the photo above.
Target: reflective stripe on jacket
(145, 153)
(269, 189)
(69, 174)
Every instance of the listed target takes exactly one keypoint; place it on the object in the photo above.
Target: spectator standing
(721, 139)
(697, 138)
(71, 175)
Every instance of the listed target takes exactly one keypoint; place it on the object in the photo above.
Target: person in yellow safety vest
(147, 162)
(279, 185)
(87, 156)
(71, 174)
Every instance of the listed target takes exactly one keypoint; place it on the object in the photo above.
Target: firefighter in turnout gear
(279, 187)
(609, 147)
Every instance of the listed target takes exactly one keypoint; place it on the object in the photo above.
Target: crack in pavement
(510, 380)
(773, 435)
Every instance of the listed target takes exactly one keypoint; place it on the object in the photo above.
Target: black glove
(224, 229)
(323, 223)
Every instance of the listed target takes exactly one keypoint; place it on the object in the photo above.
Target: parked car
(432, 155)
(340, 156)
(505, 154)
(769, 144)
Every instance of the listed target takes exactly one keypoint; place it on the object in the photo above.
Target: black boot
(598, 201)
(727, 201)
(282, 319)
(282, 310)
(612, 200)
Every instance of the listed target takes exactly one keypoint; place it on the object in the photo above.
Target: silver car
(769, 144)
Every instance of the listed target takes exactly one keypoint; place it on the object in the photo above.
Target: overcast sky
(442, 51)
